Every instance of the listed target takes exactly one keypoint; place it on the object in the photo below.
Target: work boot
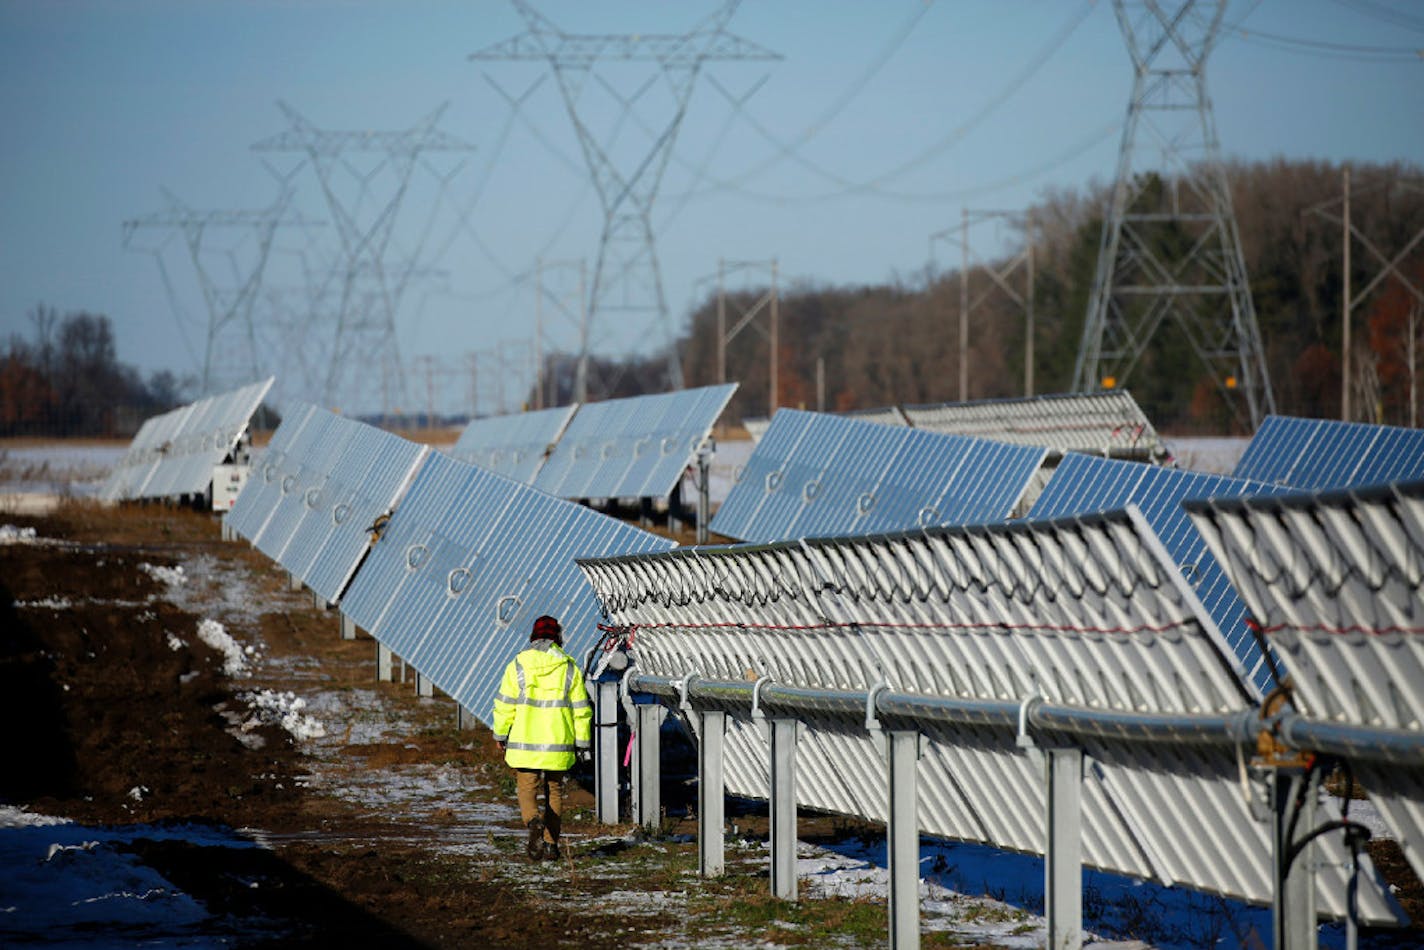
(535, 847)
(551, 851)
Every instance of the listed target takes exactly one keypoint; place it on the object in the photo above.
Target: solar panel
(1083, 484)
(1080, 612)
(1335, 581)
(1324, 453)
(174, 454)
(1105, 423)
(815, 475)
(632, 448)
(467, 562)
(260, 493)
(338, 476)
(515, 445)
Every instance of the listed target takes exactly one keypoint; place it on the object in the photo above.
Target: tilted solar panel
(349, 475)
(1324, 453)
(260, 493)
(1084, 484)
(1106, 423)
(632, 448)
(174, 454)
(467, 562)
(515, 446)
(815, 475)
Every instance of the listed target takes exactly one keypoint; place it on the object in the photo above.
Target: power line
(1384, 13)
(1349, 51)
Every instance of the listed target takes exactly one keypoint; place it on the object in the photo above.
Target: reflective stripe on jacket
(542, 713)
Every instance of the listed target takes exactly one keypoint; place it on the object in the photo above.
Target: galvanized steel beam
(783, 807)
(711, 794)
(605, 751)
(647, 765)
(902, 836)
(1063, 855)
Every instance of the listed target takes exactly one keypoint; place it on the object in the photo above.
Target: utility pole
(1170, 248)
(1000, 279)
(1337, 210)
(627, 276)
(768, 301)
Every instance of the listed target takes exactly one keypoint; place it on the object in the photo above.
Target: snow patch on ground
(235, 655)
(175, 643)
(282, 709)
(171, 576)
(79, 887)
(9, 534)
(49, 603)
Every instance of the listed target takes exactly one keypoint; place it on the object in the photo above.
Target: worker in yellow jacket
(543, 722)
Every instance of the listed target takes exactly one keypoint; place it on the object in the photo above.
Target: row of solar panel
(1088, 612)
(173, 454)
(444, 562)
(1105, 423)
(622, 448)
(814, 475)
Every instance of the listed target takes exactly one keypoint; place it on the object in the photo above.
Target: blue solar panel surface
(357, 474)
(632, 448)
(514, 446)
(815, 475)
(1084, 484)
(1323, 453)
(467, 562)
(260, 494)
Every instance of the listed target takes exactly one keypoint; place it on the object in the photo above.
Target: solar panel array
(1336, 581)
(1105, 423)
(1084, 484)
(467, 562)
(515, 445)
(455, 575)
(173, 454)
(632, 448)
(815, 475)
(320, 489)
(1323, 453)
(1084, 613)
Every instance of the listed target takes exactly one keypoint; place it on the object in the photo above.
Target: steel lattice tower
(626, 276)
(227, 308)
(372, 280)
(1170, 246)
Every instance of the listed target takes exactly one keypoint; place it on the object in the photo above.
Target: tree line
(65, 379)
(897, 342)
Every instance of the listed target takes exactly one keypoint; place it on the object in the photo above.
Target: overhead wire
(1384, 13)
(875, 186)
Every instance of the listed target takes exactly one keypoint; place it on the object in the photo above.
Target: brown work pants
(530, 783)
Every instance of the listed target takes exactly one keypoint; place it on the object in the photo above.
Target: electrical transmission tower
(626, 276)
(371, 274)
(232, 336)
(1170, 247)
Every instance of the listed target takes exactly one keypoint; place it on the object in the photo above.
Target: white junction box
(227, 482)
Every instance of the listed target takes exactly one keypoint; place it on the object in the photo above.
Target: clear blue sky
(879, 124)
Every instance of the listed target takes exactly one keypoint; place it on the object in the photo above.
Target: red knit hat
(546, 628)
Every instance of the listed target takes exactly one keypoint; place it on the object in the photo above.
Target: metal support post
(464, 719)
(647, 765)
(293, 581)
(318, 601)
(783, 808)
(605, 751)
(423, 686)
(348, 628)
(711, 795)
(385, 665)
(704, 491)
(1293, 910)
(1063, 860)
(902, 834)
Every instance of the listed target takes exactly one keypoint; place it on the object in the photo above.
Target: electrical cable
(1384, 13)
(1347, 51)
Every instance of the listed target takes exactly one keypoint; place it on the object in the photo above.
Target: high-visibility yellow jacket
(542, 713)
